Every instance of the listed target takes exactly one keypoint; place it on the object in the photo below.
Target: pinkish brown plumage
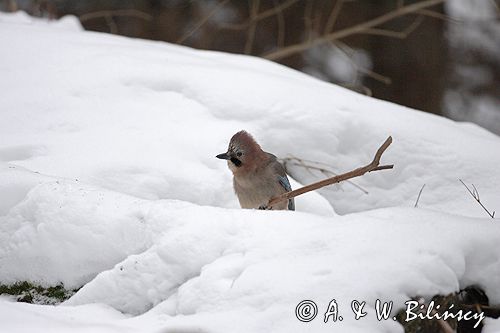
(258, 176)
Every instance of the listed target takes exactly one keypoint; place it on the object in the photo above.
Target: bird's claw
(265, 207)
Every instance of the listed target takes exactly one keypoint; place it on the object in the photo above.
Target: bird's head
(243, 153)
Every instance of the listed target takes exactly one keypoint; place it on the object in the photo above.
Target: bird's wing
(286, 185)
(282, 178)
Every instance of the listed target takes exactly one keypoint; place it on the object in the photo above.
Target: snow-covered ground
(108, 179)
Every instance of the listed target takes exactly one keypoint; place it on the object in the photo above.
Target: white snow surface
(108, 179)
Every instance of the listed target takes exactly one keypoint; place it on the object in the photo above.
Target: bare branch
(308, 21)
(202, 22)
(281, 26)
(332, 19)
(382, 167)
(273, 11)
(362, 89)
(374, 75)
(438, 16)
(475, 194)
(254, 10)
(265, 14)
(356, 29)
(385, 33)
(372, 166)
(114, 13)
(396, 34)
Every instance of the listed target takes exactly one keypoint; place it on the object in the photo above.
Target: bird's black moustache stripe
(236, 161)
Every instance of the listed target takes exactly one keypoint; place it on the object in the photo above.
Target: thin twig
(308, 21)
(265, 14)
(361, 89)
(475, 194)
(281, 26)
(376, 76)
(113, 28)
(356, 29)
(202, 21)
(334, 14)
(396, 34)
(372, 166)
(382, 167)
(114, 13)
(254, 10)
(273, 11)
(324, 171)
(438, 16)
(419, 194)
(317, 21)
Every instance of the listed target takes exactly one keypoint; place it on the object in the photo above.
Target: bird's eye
(239, 154)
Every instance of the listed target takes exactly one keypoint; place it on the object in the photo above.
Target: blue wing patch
(286, 185)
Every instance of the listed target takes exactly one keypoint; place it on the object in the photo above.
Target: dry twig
(281, 26)
(254, 11)
(438, 16)
(334, 14)
(202, 21)
(475, 194)
(307, 164)
(372, 166)
(308, 21)
(349, 53)
(261, 16)
(361, 89)
(419, 194)
(396, 34)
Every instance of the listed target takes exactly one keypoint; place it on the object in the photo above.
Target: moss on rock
(28, 292)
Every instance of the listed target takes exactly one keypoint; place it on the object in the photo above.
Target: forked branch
(475, 194)
(372, 166)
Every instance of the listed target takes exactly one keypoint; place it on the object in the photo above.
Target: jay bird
(257, 175)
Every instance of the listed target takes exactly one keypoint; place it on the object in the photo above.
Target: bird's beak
(223, 156)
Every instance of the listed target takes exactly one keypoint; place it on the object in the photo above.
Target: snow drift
(108, 179)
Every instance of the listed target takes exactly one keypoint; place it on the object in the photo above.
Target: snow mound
(68, 22)
(108, 179)
(208, 263)
(147, 118)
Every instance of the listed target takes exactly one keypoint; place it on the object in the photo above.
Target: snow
(87, 318)
(492, 325)
(108, 180)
